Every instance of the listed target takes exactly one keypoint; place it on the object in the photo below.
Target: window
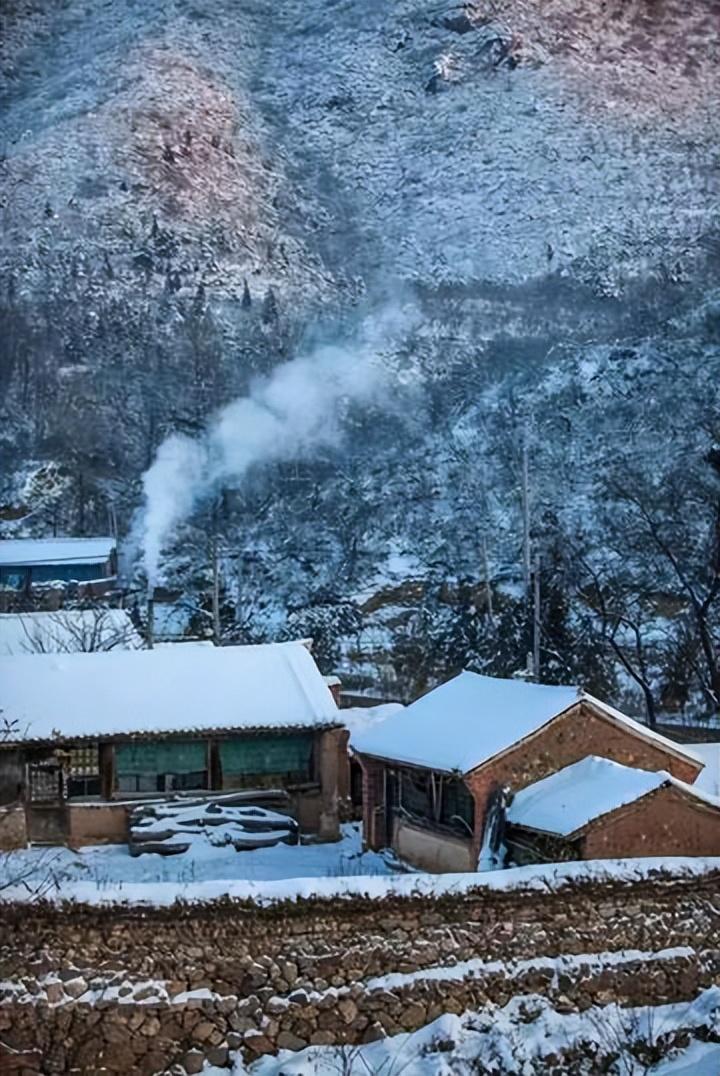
(84, 771)
(15, 578)
(432, 800)
(68, 573)
(45, 781)
(161, 766)
(283, 755)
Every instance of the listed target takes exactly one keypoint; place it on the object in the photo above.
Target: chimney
(334, 686)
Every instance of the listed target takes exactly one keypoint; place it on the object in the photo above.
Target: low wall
(13, 828)
(97, 823)
(434, 852)
(145, 989)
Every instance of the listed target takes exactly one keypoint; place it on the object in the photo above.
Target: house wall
(46, 823)
(316, 804)
(12, 775)
(434, 852)
(373, 793)
(664, 823)
(571, 737)
(331, 762)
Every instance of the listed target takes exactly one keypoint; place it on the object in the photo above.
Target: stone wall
(140, 991)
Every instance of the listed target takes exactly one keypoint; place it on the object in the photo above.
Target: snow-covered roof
(176, 689)
(470, 719)
(566, 801)
(25, 552)
(67, 631)
(357, 719)
(709, 779)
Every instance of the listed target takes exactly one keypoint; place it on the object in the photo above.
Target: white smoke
(290, 412)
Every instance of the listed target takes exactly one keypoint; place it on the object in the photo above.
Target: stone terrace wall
(120, 991)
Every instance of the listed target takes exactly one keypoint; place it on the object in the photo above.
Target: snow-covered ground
(108, 874)
(524, 1038)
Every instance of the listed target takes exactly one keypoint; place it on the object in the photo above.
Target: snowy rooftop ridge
(169, 690)
(566, 801)
(26, 552)
(472, 718)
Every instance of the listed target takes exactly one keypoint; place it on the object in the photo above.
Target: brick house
(431, 770)
(596, 808)
(88, 735)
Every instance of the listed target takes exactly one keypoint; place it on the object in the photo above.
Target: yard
(110, 870)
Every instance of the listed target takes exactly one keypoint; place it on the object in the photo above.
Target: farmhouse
(437, 774)
(28, 564)
(87, 735)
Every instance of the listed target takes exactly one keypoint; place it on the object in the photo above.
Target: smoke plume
(289, 413)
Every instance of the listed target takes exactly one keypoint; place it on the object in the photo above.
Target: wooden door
(46, 815)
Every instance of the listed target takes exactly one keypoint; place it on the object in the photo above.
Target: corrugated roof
(26, 552)
(174, 689)
(472, 718)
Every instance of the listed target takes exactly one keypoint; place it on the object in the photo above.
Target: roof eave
(389, 760)
(153, 734)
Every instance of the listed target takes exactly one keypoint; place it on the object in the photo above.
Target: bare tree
(71, 631)
(621, 622)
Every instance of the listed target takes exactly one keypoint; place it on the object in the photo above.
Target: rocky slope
(188, 190)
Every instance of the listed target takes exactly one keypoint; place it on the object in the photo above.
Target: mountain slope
(190, 190)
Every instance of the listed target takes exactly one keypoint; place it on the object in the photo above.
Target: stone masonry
(118, 990)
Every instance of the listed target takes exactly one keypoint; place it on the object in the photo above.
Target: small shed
(31, 562)
(88, 734)
(598, 809)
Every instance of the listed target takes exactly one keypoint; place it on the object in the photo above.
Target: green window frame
(160, 756)
(150, 766)
(288, 754)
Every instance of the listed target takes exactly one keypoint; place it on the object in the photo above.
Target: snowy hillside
(191, 192)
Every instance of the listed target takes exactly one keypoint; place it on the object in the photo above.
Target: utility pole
(215, 589)
(536, 621)
(150, 627)
(525, 498)
(486, 573)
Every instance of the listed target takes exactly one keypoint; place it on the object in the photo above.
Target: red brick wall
(665, 823)
(571, 737)
(373, 790)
